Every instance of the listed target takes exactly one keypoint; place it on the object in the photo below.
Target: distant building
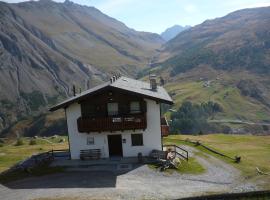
(119, 118)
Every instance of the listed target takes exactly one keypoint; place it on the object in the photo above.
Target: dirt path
(139, 183)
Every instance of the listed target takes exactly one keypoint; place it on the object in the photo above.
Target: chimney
(161, 81)
(153, 82)
(74, 90)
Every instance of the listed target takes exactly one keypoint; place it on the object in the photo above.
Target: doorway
(115, 145)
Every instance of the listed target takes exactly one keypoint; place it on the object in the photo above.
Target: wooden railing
(119, 123)
(178, 151)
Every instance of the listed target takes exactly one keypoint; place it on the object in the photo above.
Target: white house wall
(151, 135)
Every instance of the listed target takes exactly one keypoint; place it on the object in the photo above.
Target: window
(135, 107)
(112, 109)
(90, 140)
(137, 139)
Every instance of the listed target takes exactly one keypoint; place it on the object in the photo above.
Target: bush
(1, 144)
(2, 141)
(32, 142)
(19, 142)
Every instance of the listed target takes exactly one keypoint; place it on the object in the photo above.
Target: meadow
(11, 152)
(253, 150)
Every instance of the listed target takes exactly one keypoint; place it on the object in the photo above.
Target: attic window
(112, 109)
(135, 107)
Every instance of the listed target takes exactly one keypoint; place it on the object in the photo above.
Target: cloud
(190, 8)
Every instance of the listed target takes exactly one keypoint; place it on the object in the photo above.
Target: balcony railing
(121, 123)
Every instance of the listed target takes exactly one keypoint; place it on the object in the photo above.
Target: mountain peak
(171, 32)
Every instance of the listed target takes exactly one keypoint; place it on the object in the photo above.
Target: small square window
(90, 140)
(135, 107)
(112, 109)
(137, 139)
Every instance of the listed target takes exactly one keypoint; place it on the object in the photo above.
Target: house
(120, 118)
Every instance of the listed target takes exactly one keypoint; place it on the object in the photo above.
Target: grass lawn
(11, 154)
(254, 150)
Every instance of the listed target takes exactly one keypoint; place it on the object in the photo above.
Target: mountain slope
(238, 40)
(46, 47)
(171, 32)
(225, 60)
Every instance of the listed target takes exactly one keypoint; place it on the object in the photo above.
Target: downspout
(68, 135)
(160, 126)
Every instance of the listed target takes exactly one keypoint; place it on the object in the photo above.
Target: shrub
(19, 142)
(2, 141)
(32, 142)
(1, 144)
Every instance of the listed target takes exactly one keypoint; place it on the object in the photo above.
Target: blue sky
(157, 15)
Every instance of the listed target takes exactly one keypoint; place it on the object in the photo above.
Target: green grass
(235, 105)
(190, 167)
(11, 154)
(254, 150)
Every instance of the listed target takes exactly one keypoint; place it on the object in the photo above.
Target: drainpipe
(68, 135)
(160, 126)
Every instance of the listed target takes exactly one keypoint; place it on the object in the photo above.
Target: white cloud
(190, 8)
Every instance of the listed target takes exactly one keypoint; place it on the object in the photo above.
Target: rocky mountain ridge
(46, 47)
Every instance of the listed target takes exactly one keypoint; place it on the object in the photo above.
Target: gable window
(112, 109)
(137, 139)
(135, 107)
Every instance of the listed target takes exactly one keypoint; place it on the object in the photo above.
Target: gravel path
(139, 183)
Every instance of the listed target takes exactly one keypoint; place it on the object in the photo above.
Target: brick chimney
(153, 82)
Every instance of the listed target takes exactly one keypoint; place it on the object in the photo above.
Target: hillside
(239, 40)
(173, 31)
(225, 60)
(46, 47)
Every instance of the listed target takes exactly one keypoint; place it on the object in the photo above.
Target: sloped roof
(125, 84)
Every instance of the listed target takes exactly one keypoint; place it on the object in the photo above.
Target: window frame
(113, 114)
(135, 111)
(141, 143)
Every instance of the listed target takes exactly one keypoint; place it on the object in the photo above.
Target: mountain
(226, 60)
(46, 47)
(171, 32)
(238, 40)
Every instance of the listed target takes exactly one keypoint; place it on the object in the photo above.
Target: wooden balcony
(121, 123)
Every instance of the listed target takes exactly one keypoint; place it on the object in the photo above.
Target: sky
(157, 15)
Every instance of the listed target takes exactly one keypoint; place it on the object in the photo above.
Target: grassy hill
(223, 90)
(254, 152)
(10, 153)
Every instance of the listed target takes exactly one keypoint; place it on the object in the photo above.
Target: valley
(225, 60)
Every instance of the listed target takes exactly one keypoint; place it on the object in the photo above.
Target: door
(115, 145)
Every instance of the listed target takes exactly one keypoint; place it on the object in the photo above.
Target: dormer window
(135, 107)
(112, 109)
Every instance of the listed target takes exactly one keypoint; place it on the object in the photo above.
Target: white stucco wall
(151, 135)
